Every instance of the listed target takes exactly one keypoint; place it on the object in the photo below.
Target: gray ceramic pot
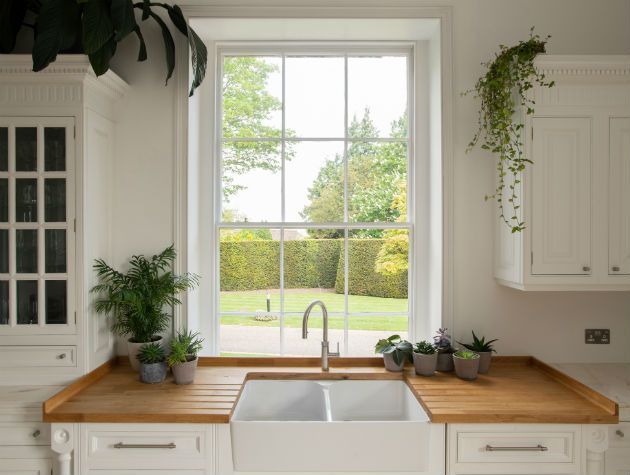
(445, 362)
(184, 373)
(133, 348)
(466, 369)
(425, 364)
(485, 358)
(390, 364)
(153, 373)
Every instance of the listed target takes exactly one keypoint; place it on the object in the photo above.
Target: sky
(314, 93)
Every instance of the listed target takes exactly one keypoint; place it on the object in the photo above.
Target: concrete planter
(445, 362)
(153, 373)
(485, 358)
(466, 369)
(184, 373)
(425, 365)
(133, 348)
(390, 364)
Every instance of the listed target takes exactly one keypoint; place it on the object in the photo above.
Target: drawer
(36, 356)
(25, 433)
(25, 467)
(619, 435)
(145, 472)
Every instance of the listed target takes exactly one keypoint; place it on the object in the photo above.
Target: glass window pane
(54, 200)
(4, 251)
(294, 345)
(26, 251)
(4, 200)
(27, 302)
(4, 302)
(314, 183)
(4, 149)
(55, 149)
(377, 96)
(55, 251)
(377, 181)
(26, 149)
(314, 95)
(251, 182)
(365, 331)
(26, 200)
(56, 299)
(252, 96)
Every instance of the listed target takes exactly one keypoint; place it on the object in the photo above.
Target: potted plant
(484, 349)
(183, 357)
(396, 352)
(152, 358)
(442, 342)
(138, 299)
(425, 358)
(466, 364)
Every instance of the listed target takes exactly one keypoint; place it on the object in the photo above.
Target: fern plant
(151, 353)
(140, 297)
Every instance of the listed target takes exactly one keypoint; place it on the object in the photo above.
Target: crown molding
(585, 66)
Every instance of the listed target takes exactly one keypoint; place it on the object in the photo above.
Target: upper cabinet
(576, 196)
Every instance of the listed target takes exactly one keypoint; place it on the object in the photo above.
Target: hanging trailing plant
(95, 27)
(501, 90)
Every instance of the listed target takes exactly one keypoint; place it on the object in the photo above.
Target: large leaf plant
(95, 27)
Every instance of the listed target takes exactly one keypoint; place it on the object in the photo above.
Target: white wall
(547, 325)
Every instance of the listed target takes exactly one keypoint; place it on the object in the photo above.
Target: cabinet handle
(538, 448)
(615, 268)
(120, 445)
(61, 356)
(620, 433)
(586, 269)
(36, 434)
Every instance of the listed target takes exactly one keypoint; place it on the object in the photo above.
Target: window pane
(377, 181)
(54, 149)
(240, 336)
(252, 96)
(365, 331)
(26, 200)
(4, 149)
(26, 302)
(4, 302)
(294, 345)
(26, 251)
(251, 183)
(314, 94)
(313, 269)
(26, 149)
(377, 96)
(4, 251)
(54, 200)
(4, 200)
(55, 251)
(314, 183)
(56, 298)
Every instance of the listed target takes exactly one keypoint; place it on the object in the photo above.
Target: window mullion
(282, 204)
(346, 322)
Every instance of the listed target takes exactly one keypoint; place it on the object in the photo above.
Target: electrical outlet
(597, 336)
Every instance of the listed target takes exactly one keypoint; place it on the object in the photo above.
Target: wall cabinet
(575, 198)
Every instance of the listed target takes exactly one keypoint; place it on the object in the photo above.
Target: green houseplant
(95, 28)
(396, 352)
(443, 344)
(183, 357)
(152, 358)
(484, 349)
(425, 358)
(466, 364)
(139, 298)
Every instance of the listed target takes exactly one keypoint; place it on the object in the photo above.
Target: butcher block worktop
(516, 390)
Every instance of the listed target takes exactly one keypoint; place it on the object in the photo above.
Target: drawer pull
(537, 448)
(36, 434)
(61, 356)
(619, 433)
(120, 445)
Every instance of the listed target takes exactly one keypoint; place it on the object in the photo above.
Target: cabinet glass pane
(4, 302)
(54, 200)
(4, 251)
(4, 149)
(56, 311)
(26, 200)
(26, 302)
(4, 200)
(54, 149)
(26, 251)
(26, 149)
(55, 251)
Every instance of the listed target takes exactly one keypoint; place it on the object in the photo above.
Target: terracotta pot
(184, 373)
(390, 364)
(485, 358)
(445, 362)
(425, 364)
(466, 369)
(153, 373)
(134, 347)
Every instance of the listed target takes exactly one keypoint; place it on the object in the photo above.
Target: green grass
(371, 323)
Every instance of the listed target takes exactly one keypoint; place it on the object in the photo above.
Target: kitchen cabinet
(619, 197)
(617, 458)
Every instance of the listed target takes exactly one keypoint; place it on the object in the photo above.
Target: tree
(393, 257)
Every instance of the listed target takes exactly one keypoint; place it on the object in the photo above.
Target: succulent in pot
(152, 358)
(396, 352)
(443, 343)
(183, 357)
(484, 349)
(425, 358)
(466, 364)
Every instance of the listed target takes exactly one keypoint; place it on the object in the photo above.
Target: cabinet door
(25, 467)
(619, 197)
(561, 196)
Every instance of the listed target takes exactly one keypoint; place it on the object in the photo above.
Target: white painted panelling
(619, 197)
(25, 467)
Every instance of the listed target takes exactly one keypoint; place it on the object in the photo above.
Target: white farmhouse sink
(330, 426)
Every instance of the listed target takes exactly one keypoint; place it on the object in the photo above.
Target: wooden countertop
(516, 390)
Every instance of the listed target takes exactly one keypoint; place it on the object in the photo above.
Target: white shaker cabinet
(619, 197)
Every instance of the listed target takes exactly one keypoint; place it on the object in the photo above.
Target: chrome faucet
(325, 352)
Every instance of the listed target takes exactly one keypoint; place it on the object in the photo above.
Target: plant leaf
(146, 9)
(11, 17)
(98, 28)
(169, 45)
(123, 18)
(100, 59)
(142, 52)
(57, 28)
(198, 59)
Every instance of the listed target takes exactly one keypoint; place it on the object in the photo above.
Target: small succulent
(400, 349)
(424, 348)
(151, 353)
(466, 355)
(442, 341)
(479, 345)
(184, 347)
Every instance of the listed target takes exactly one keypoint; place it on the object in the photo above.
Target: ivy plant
(95, 27)
(503, 88)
